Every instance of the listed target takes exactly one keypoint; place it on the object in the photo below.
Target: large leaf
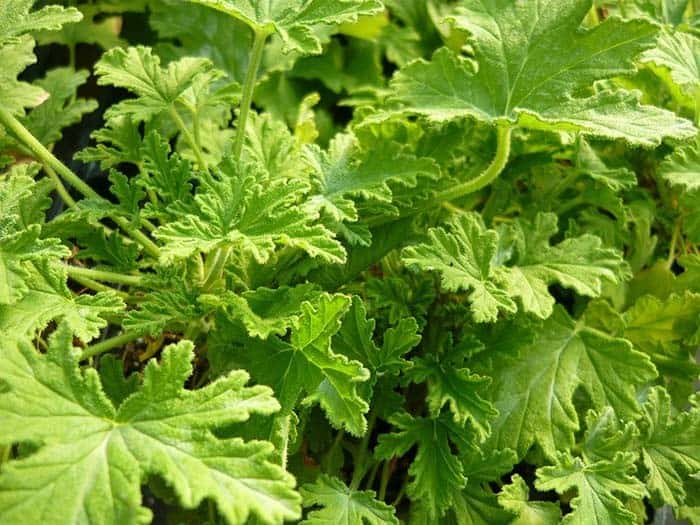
(94, 456)
(294, 20)
(534, 386)
(536, 66)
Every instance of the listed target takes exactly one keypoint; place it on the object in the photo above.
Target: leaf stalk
(109, 344)
(260, 37)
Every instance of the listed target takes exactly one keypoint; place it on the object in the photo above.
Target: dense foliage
(349, 262)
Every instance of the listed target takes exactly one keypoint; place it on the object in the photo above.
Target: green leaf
(158, 89)
(676, 60)
(265, 311)
(62, 109)
(354, 339)
(533, 388)
(464, 258)
(344, 506)
(16, 18)
(236, 210)
(17, 252)
(16, 95)
(477, 504)
(346, 171)
(515, 498)
(467, 259)
(436, 473)
(521, 80)
(580, 263)
(683, 167)
(119, 141)
(450, 383)
(95, 456)
(598, 486)
(48, 298)
(172, 305)
(307, 363)
(670, 445)
(295, 20)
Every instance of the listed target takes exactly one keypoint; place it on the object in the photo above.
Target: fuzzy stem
(504, 134)
(260, 37)
(360, 459)
(59, 187)
(189, 138)
(98, 287)
(215, 269)
(109, 344)
(674, 242)
(48, 159)
(384, 480)
(43, 154)
(101, 275)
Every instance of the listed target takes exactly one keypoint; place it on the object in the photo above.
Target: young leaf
(670, 448)
(295, 20)
(450, 383)
(598, 485)
(265, 311)
(307, 363)
(345, 172)
(344, 506)
(437, 475)
(94, 456)
(466, 258)
(355, 340)
(516, 499)
(62, 108)
(676, 59)
(138, 70)
(683, 167)
(48, 298)
(234, 210)
(520, 79)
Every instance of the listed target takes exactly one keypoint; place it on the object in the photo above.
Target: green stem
(215, 268)
(260, 37)
(109, 344)
(360, 460)
(98, 287)
(48, 159)
(504, 139)
(674, 242)
(188, 137)
(5, 454)
(43, 154)
(504, 133)
(622, 8)
(384, 481)
(59, 187)
(102, 275)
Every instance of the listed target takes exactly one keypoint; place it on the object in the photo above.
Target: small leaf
(344, 506)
